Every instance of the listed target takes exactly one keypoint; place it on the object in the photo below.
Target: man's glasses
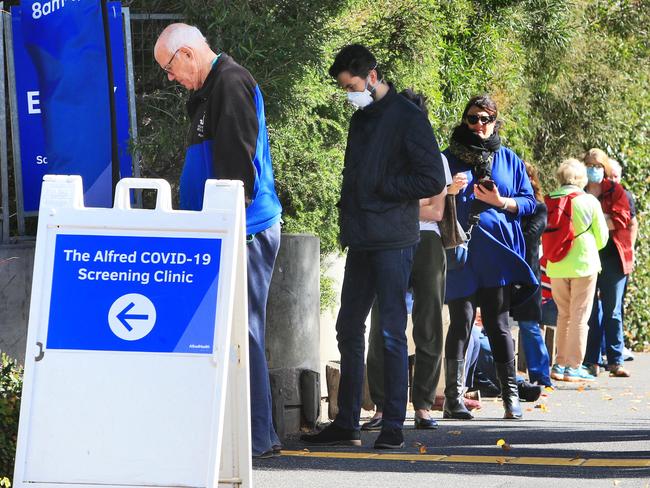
(484, 119)
(167, 68)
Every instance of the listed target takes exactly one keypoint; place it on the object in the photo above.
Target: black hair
(485, 102)
(355, 59)
(418, 99)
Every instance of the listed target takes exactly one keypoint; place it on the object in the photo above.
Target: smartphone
(487, 183)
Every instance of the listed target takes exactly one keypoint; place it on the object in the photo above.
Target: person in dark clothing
(529, 313)
(428, 285)
(391, 161)
(492, 194)
(228, 140)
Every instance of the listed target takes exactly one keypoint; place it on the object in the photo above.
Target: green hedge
(568, 75)
(10, 389)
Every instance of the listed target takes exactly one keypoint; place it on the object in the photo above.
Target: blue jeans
(262, 251)
(611, 284)
(472, 354)
(536, 353)
(383, 274)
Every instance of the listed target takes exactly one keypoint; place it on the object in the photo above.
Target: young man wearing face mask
(391, 161)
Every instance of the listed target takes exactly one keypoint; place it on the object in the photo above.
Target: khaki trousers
(574, 298)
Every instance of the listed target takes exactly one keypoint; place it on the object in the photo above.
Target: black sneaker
(390, 439)
(333, 435)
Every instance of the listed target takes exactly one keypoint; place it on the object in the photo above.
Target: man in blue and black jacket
(391, 161)
(228, 140)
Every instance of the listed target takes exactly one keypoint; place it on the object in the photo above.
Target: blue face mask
(595, 175)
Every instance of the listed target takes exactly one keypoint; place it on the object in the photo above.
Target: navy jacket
(228, 140)
(392, 160)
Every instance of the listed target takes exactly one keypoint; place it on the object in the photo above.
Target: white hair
(178, 35)
(615, 165)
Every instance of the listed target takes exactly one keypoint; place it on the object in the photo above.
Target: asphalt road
(585, 434)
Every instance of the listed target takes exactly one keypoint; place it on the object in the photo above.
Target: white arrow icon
(132, 317)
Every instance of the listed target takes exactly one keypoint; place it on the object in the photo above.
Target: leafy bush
(11, 385)
(567, 74)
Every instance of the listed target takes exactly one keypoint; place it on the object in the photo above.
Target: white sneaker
(627, 354)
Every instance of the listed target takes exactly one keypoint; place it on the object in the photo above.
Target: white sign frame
(118, 419)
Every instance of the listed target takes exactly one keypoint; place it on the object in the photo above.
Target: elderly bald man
(228, 140)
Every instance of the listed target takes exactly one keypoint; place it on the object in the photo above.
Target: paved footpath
(583, 435)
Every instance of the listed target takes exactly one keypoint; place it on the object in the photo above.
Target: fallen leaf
(455, 432)
(634, 408)
(616, 482)
(501, 442)
(549, 389)
(529, 409)
(502, 461)
(306, 450)
(581, 388)
(506, 447)
(423, 449)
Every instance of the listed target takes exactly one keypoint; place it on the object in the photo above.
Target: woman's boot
(509, 392)
(454, 407)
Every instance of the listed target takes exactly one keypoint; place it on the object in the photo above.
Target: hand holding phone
(487, 183)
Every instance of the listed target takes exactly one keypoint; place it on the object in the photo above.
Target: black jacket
(392, 160)
(533, 227)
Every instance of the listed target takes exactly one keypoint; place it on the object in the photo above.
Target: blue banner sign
(63, 111)
(144, 294)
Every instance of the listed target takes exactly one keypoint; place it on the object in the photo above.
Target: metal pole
(130, 82)
(15, 130)
(4, 165)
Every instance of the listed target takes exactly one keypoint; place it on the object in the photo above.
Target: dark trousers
(495, 306)
(382, 274)
(428, 283)
(611, 285)
(262, 251)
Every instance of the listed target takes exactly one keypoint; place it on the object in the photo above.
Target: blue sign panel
(37, 158)
(144, 294)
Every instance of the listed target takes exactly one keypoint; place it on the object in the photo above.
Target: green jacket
(591, 230)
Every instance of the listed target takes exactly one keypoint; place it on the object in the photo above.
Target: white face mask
(361, 99)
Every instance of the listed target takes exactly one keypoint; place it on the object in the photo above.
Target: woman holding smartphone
(492, 193)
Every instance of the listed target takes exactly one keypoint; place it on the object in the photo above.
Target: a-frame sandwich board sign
(136, 371)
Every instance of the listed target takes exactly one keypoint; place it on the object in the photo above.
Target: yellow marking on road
(478, 459)
(548, 461)
(524, 460)
(618, 463)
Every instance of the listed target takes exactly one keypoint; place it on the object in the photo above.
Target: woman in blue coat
(492, 194)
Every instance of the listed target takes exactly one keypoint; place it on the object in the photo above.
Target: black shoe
(332, 436)
(277, 450)
(509, 391)
(265, 455)
(427, 423)
(528, 392)
(454, 406)
(373, 424)
(390, 439)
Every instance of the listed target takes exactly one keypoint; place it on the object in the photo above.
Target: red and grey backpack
(559, 235)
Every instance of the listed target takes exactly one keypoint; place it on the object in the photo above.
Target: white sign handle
(125, 185)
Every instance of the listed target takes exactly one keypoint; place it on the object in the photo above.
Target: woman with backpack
(617, 262)
(576, 231)
(492, 194)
